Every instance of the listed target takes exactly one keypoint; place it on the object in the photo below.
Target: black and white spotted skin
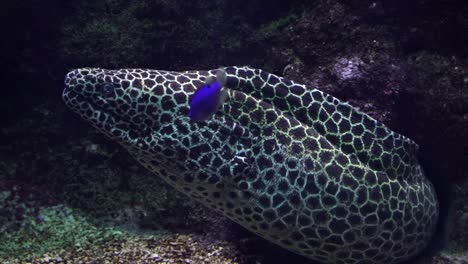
(288, 162)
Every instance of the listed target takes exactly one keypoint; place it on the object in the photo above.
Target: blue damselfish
(208, 97)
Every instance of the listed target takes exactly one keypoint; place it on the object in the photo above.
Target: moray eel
(290, 163)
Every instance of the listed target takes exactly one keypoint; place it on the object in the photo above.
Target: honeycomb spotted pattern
(288, 162)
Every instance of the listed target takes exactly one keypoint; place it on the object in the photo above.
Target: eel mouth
(101, 116)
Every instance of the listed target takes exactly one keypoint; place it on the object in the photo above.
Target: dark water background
(405, 63)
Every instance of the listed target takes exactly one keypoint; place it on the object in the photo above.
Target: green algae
(54, 229)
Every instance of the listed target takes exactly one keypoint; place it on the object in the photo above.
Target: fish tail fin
(221, 76)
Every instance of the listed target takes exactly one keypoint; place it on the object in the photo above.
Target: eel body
(288, 162)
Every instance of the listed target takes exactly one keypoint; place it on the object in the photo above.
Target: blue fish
(209, 97)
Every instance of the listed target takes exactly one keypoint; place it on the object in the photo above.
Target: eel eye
(108, 89)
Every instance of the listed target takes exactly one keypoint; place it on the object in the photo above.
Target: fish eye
(108, 89)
